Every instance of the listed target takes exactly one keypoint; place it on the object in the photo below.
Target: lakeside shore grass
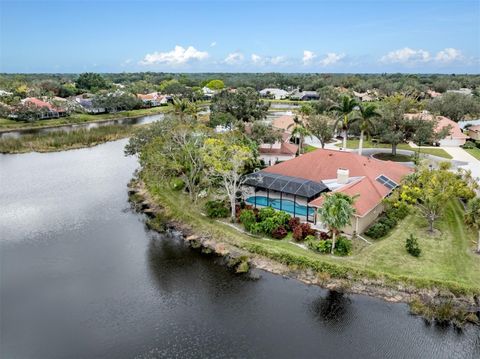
(11, 125)
(439, 152)
(61, 140)
(448, 263)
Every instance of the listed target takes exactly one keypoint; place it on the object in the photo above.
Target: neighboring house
(304, 95)
(463, 91)
(50, 110)
(474, 132)
(296, 186)
(208, 93)
(277, 94)
(277, 152)
(433, 94)
(283, 150)
(465, 123)
(455, 138)
(363, 96)
(87, 105)
(284, 123)
(153, 99)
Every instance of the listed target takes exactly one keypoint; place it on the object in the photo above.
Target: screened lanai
(290, 194)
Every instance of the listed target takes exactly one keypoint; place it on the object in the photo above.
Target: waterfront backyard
(448, 261)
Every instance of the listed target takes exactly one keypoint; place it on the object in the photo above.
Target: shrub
(398, 211)
(216, 209)
(297, 233)
(293, 222)
(279, 232)
(268, 225)
(343, 246)
(412, 246)
(324, 235)
(469, 145)
(377, 230)
(319, 246)
(265, 213)
(248, 219)
(389, 223)
(301, 231)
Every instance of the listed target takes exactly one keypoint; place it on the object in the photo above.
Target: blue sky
(232, 36)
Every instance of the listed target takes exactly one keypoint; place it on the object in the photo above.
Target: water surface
(81, 277)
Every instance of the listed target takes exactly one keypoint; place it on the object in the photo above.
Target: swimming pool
(286, 205)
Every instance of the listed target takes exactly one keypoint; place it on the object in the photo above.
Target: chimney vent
(342, 175)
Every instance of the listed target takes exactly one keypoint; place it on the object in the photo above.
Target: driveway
(471, 163)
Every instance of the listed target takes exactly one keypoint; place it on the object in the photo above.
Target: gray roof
(286, 184)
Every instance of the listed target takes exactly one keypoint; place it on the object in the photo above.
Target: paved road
(471, 163)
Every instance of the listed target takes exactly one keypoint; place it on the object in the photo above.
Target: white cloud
(308, 57)
(406, 56)
(267, 60)
(179, 55)
(277, 60)
(448, 55)
(234, 58)
(257, 59)
(331, 59)
(213, 44)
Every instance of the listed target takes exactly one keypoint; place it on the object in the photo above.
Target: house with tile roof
(455, 138)
(49, 110)
(153, 99)
(284, 123)
(297, 185)
(283, 150)
(474, 132)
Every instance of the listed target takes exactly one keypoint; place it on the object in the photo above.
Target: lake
(82, 277)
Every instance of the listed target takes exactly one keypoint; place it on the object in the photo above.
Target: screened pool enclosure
(285, 193)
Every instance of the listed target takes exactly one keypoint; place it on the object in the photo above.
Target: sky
(369, 36)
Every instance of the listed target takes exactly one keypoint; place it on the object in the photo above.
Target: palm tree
(336, 212)
(345, 108)
(301, 132)
(184, 107)
(472, 217)
(367, 114)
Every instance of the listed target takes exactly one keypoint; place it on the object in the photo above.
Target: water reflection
(334, 308)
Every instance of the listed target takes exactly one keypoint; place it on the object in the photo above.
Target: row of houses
(297, 95)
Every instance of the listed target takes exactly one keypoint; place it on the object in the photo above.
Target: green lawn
(353, 144)
(475, 152)
(447, 261)
(448, 255)
(8, 124)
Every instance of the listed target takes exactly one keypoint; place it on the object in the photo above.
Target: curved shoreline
(391, 292)
(93, 122)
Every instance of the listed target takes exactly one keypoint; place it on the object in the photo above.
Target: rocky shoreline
(241, 261)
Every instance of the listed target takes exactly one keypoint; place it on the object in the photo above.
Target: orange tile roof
(284, 122)
(285, 149)
(443, 121)
(38, 103)
(323, 164)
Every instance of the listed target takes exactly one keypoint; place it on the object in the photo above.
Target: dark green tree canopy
(244, 104)
(91, 82)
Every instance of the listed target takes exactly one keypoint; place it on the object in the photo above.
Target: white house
(275, 93)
